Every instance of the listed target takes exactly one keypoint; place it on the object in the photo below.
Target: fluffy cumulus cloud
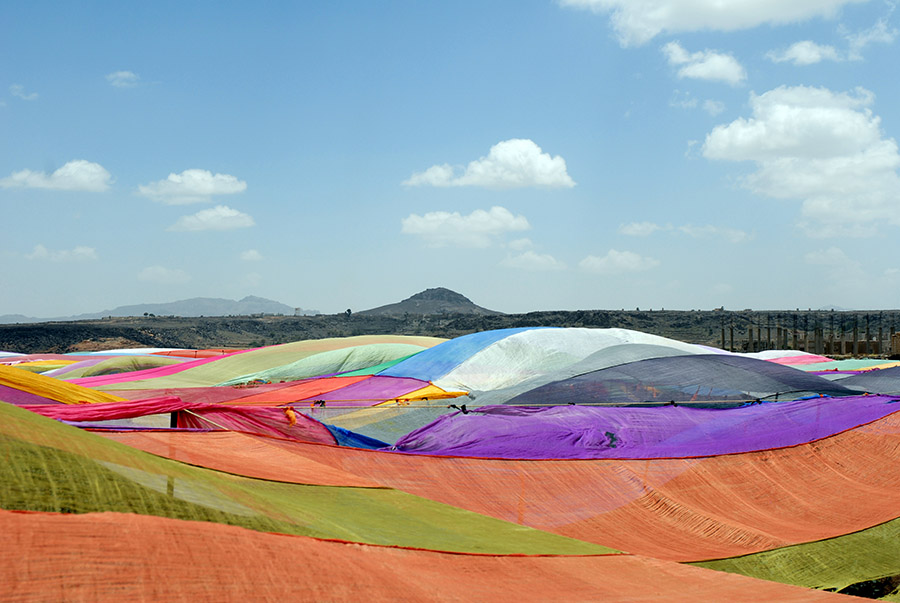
(704, 65)
(251, 255)
(638, 21)
(164, 276)
(192, 186)
(806, 52)
(79, 253)
(512, 163)
(220, 217)
(481, 228)
(822, 147)
(533, 261)
(78, 175)
(123, 79)
(618, 262)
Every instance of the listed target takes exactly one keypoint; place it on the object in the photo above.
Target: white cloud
(520, 245)
(251, 255)
(683, 100)
(704, 65)
(713, 107)
(833, 257)
(822, 147)
(618, 262)
(78, 175)
(164, 276)
(123, 79)
(638, 21)
(192, 186)
(878, 33)
(533, 261)
(732, 235)
(18, 90)
(479, 229)
(79, 253)
(687, 101)
(220, 217)
(512, 163)
(641, 229)
(805, 52)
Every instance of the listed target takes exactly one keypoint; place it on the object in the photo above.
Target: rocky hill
(432, 301)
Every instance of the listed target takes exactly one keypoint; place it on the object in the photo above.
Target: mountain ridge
(190, 308)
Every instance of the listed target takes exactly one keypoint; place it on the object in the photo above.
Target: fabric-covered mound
(587, 432)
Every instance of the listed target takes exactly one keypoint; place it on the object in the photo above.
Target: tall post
(723, 331)
(731, 346)
(795, 346)
(868, 336)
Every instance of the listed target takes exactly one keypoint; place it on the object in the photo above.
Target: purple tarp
(371, 391)
(588, 432)
(22, 398)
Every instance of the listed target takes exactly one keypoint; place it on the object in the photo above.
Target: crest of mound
(432, 301)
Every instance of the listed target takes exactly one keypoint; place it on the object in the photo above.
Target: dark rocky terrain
(705, 327)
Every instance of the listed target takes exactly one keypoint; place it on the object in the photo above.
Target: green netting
(49, 466)
(229, 367)
(373, 370)
(119, 364)
(361, 357)
(835, 563)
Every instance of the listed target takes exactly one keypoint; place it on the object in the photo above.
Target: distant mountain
(197, 306)
(432, 301)
(8, 319)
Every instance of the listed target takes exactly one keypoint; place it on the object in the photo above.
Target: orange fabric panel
(114, 556)
(240, 454)
(675, 509)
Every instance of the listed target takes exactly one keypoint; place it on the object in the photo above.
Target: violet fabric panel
(371, 391)
(584, 432)
(22, 398)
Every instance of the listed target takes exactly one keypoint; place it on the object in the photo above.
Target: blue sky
(532, 155)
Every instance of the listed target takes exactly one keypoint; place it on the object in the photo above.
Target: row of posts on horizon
(825, 333)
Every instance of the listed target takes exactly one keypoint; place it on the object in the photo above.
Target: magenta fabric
(162, 371)
(278, 422)
(112, 410)
(587, 432)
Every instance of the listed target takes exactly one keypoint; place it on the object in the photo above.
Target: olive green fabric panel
(49, 466)
(835, 563)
